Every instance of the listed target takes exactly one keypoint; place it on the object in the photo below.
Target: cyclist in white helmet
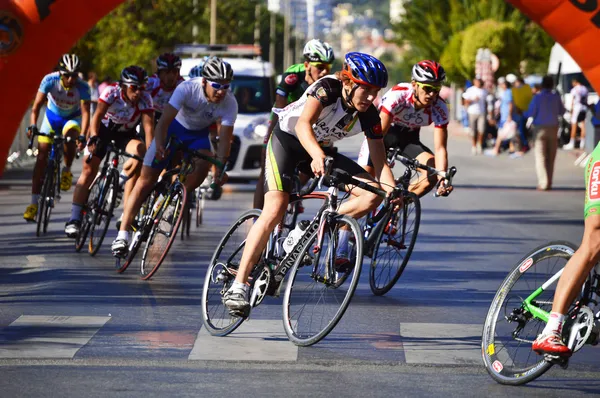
(67, 113)
(318, 58)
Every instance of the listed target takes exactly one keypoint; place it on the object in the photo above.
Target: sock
(239, 286)
(555, 323)
(123, 235)
(76, 212)
(34, 198)
(342, 247)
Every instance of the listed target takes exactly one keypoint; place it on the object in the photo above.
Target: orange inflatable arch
(34, 33)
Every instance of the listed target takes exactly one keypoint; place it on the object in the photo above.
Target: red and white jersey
(160, 96)
(122, 112)
(398, 102)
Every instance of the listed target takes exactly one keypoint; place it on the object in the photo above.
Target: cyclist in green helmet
(318, 58)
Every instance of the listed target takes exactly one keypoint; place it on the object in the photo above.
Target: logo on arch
(11, 33)
(594, 182)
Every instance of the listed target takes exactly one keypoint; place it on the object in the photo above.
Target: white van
(254, 88)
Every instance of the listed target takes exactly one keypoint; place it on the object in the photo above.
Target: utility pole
(286, 36)
(257, 27)
(272, 34)
(213, 21)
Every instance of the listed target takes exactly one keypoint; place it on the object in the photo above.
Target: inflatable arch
(34, 33)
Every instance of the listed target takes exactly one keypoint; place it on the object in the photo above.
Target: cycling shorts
(54, 123)
(592, 184)
(285, 154)
(106, 135)
(191, 139)
(407, 140)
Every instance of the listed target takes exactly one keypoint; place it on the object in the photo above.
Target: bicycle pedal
(240, 314)
(557, 360)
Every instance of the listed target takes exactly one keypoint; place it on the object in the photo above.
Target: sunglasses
(429, 89)
(320, 66)
(219, 86)
(135, 88)
(68, 75)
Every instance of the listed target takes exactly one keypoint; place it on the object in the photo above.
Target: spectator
(522, 96)
(93, 83)
(107, 81)
(596, 121)
(579, 95)
(476, 109)
(545, 108)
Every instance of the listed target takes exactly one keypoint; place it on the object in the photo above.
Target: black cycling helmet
(134, 75)
(168, 61)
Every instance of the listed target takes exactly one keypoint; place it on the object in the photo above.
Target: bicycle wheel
(141, 232)
(393, 249)
(164, 231)
(186, 221)
(44, 200)
(316, 296)
(103, 210)
(221, 273)
(510, 329)
(199, 208)
(87, 217)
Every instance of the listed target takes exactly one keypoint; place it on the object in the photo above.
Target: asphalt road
(70, 325)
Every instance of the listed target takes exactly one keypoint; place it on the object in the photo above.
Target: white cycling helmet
(216, 69)
(69, 63)
(318, 51)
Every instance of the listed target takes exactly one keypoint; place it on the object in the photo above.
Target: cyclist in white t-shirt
(194, 106)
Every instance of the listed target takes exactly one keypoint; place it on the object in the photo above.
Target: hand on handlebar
(81, 143)
(32, 130)
(318, 165)
(443, 189)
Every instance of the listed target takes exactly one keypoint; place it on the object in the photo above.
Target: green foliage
(451, 59)
(500, 37)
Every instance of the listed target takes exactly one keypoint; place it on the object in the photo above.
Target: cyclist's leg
(259, 192)
(71, 129)
(362, 201)
(41, 163)
(412, 147)
(132, 168)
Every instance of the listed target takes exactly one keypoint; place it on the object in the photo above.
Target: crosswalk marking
(40, 336)
(254, 340)
(441, 343)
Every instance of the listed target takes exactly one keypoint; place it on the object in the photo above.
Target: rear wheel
(86, 217)
(164, 231)
(221, 274)
(316, 295)
(393, 249)
(509, 328)
(103, 208)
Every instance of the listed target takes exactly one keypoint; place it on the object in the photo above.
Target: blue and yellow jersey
(64, 101)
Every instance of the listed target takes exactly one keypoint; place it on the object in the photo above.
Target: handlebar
(318, 181)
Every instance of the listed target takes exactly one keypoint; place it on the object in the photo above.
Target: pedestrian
(579, 94)
(107, 81)
(93, 83)
(545, 108)
(521, 98)
(475, 98)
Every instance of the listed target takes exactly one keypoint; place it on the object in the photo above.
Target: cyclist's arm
(440, 141)
(306, 136)
(160, 132)
(280, 102)
(225, 136)
(40, 98)
(96, 119)
(85, 117)
(386, 121)
(382, 170)
(148, 124)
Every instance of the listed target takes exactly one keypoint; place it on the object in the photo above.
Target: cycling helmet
(363, 68)
(134, 75)
(216, 69)
(69, 63)
(318, 51)
(428, 72)
(168, 61)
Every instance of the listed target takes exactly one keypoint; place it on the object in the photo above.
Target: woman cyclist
(120, 108)
(332, 108)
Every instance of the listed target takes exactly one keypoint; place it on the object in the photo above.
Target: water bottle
(295, 235)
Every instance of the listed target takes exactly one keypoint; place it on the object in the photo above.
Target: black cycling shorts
(105, 135)
(403, 138)
(285, 153)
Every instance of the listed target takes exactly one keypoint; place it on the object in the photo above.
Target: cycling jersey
(400, 105)
(336, 121)
(293, 83)
(62, 101)
(122, 115)
(160, 96)
(592, 186)
(196, 112)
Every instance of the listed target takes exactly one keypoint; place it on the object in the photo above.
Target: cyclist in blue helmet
(196, 71)
(334, 107)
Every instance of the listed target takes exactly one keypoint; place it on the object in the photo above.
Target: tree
(451, 59)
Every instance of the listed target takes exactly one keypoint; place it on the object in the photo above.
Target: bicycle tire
(186, 221)
(153, 256)
(400, 222)
(199, 208)
(496, 361)
(143, 228)
(219, 322)
(43, 198)
(296, 283)
(52, 195)
(104, 207)
(86, 216)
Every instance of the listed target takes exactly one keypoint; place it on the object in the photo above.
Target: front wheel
(45, 201)
(509, 328)
(393, 249)
(87, 217)
(221, 273)
(164, 231)
(102, 210)
(318, 290)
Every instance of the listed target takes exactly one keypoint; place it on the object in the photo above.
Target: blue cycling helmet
(365, 69)
(196, 71)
